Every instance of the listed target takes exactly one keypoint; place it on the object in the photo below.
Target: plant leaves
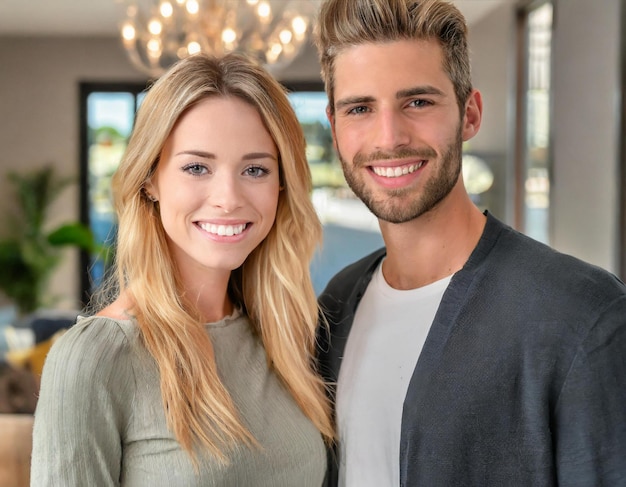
(29, 256)
(19, 280)
(35, 191)
(75, 234)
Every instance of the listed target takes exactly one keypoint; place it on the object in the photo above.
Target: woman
(200, 371)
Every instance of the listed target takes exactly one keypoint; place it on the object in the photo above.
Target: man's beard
(404, 204)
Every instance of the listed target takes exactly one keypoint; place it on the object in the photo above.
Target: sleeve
(590, 415)
(85, 396)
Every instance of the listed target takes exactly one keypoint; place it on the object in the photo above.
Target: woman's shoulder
(113, 325)
(90, 372)
(94, 345)
(99, 329)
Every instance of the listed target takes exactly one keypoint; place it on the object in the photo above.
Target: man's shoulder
(350, 276)
(544, 260)
(546, 276)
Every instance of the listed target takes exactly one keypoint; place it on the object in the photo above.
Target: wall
(39, 115)
(586, 130)
(585, 118)
(492, 58)
(492, 54)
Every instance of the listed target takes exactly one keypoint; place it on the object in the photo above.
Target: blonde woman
(200, 371)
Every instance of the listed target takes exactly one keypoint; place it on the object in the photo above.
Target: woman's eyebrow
(211, 155)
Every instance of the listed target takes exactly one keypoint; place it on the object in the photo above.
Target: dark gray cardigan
(522, 379)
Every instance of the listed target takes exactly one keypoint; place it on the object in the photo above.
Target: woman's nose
(226, 193)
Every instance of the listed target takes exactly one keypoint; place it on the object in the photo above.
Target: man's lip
(397, 170)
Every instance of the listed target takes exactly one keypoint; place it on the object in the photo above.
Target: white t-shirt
(389, 330)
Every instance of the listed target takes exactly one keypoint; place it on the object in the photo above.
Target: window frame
(85, 90)
(520, 170)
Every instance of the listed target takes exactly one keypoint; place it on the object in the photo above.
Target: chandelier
(157, 33)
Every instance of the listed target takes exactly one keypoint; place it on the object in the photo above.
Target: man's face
(397, 127)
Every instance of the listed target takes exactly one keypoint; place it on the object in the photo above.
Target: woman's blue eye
(195, 169)
(256, 171)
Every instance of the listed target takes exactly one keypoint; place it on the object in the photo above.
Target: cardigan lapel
(444, 323)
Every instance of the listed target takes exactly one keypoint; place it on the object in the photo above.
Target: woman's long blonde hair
(273, 286)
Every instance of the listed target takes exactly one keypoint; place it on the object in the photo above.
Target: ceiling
(102, 17)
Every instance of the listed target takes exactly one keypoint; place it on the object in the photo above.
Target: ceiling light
(156, 34)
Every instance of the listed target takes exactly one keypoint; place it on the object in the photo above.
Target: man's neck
(433, 246)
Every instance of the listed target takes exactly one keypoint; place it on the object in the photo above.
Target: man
(465, 354)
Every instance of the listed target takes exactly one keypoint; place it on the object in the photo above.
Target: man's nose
(391, 130)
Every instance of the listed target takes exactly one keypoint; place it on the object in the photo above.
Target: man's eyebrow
(415, 91)
(353, 100)
(419, 90)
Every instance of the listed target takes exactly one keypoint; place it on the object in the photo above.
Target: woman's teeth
(227, 230)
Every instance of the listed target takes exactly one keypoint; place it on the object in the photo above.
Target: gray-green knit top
(100, 419)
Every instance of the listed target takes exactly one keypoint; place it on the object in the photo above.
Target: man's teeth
(396, 172)
(228, 230)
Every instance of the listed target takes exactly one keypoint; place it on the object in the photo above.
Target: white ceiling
(102, 17)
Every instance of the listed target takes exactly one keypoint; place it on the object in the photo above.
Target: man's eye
(420, 103)
(358, 110)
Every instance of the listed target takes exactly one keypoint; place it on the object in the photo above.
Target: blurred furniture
(15, 449)
(18, 390)
(20, 372)
(18, 398)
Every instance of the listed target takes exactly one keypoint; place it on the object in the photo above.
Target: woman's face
(217, 183)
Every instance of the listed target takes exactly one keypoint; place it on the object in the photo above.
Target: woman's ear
(150, 191)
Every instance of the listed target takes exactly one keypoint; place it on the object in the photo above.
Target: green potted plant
(30, 251)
